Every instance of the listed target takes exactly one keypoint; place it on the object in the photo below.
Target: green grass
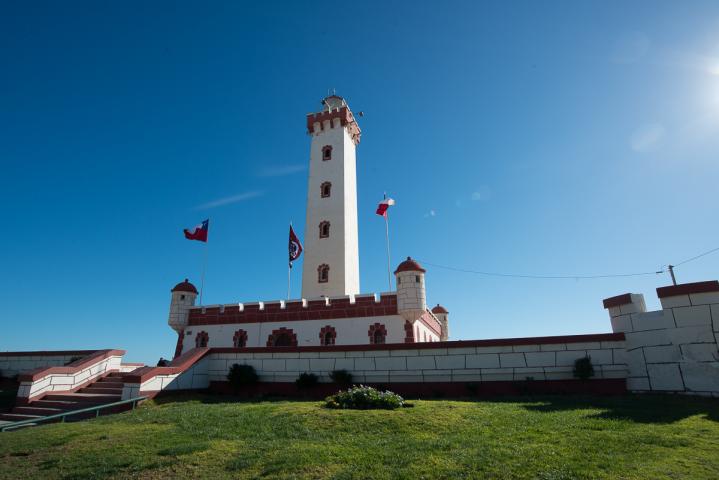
(543, 437)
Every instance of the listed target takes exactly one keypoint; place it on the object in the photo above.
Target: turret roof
(185, 286)
(409, 265)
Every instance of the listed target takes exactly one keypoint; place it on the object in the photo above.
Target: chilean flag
(199, 233)
(384, 206)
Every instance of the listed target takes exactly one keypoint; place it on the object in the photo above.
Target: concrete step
(64, 405)
(93, 398)
(108, 383)
(17, 417)
(115, 375)
(101, 389)
(42, 411)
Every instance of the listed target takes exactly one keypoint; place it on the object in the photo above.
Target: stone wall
(674, 349)
(14, 363)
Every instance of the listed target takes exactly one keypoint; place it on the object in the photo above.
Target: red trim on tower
(178, 347)
(408, 332)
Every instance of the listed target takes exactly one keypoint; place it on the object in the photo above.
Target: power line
(542, 277)
(698, 256)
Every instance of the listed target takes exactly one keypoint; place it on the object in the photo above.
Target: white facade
(332, 162)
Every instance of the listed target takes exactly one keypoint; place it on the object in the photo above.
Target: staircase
(107, 389)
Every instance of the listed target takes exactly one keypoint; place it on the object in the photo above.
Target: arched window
(283, 337)
(377, 333)
(323, 273)
(324, 229)
(327, 152)
(240, 339)
(325, 189)
(328, 335)
(201, 339)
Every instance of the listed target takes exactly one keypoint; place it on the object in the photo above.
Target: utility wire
(545, 277)
(566, 277)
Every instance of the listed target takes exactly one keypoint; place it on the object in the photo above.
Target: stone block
(404, 377)
(692, 316)
(433, 351)
(525, 348)
(635, 362)
(701, 377)
(298, 365)
(322, 364)
(345, 364)
(662, 354)
(497, 374)
(619, 355)
(715, 317)
(420, 363)
(263, 355)
(286, 355)
(656, 320)
(614, 371)
(704, 298)
(376, 353)
(499, 349)
(273, 365)
(449, 362)
(507, 360)
(355, 354)
(648, 338)
(567, 359)
(697, 334)
(601, 357)
(552, 347)
(332, 354)
(638, 384)
(364, 364)
(309, 354)
(617, 344)
(558, 373)
(466, 377)
(461, 351)
(665, 377)
(217, 364)
(541, 359)
(403, 353)
(391, 363)
(584, 346)
(675, 301)
(485, 360)
(622, 323)
(700, 352)
(431, 376)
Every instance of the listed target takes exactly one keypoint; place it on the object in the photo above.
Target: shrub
(583, 368)
(341, 377)
(364, 398)
(242, 376)
(306, 380)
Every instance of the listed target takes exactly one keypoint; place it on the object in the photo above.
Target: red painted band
(688, 288)
(624, 299)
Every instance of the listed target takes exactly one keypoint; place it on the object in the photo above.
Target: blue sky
(520, 137)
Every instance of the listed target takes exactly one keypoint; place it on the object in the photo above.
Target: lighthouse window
(324, 229)
(416, 278)
(182, 297)
(323, 273)
(327, 152)
(325, 189)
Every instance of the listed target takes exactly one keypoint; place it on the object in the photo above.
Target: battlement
(346, 306)
(333, 118)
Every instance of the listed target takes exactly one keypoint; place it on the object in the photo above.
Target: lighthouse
(331, 264)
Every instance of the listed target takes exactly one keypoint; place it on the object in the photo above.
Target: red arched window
(201, 339)
(327, 152)
(239, 340)
(282, 337)
(377, 333)
(325, 189)
(328, 335)
(323, 273)
(324, 229)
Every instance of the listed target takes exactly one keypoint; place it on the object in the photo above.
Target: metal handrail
(61, 416)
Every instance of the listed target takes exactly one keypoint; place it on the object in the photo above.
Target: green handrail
(61, 416)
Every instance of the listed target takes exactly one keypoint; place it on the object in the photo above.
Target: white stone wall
(194, 378)
(423, 334)
(340, 250)
(350, 331)
(673, 349)
(60, 382)
(11, 365)
(441, 364)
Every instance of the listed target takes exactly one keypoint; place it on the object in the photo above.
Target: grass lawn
(642, 437)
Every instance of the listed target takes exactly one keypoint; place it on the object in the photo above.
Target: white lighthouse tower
(331, 264)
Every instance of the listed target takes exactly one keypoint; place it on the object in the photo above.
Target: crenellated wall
(674, 349)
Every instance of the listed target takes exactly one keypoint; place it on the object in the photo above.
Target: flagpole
(204, 267)
(289, 271)
(386, 232)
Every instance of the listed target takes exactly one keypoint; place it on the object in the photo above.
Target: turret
(411, 294)
(442, 315)
(183, 298)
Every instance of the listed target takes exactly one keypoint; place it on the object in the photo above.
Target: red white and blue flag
(198, 233)
(384, 206)
(295, 247)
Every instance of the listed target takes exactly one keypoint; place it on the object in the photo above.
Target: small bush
(241, 376)
(341, 377)
(306, 380)
(583, 368)
(364, 398)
